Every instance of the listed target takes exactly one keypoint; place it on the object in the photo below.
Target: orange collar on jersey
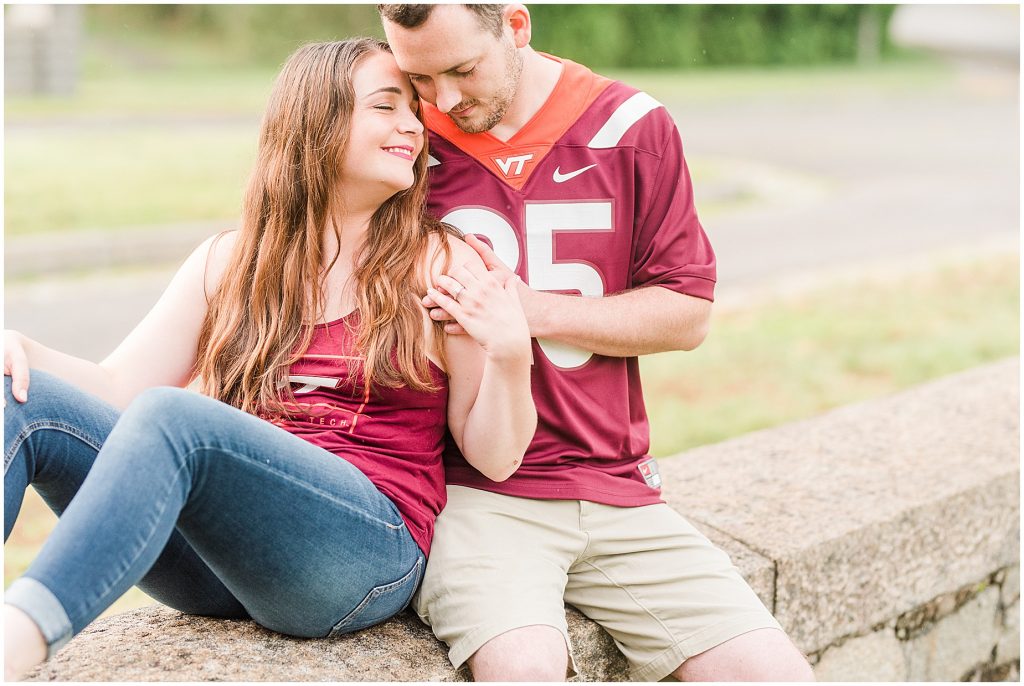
(514, 160)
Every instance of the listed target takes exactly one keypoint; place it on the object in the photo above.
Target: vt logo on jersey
(512, 166)
(515, 165)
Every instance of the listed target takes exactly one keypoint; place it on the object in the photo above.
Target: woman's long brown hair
(260, 316)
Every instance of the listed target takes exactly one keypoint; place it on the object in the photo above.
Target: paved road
(885, 176)
(835, 182)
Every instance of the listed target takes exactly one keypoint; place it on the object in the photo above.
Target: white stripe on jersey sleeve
(432, 161)
(627, 114)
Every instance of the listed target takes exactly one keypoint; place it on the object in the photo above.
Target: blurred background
(855, 166)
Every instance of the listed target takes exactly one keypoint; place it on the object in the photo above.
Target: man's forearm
(639, 322)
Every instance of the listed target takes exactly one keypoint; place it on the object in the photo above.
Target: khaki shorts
(655, 583)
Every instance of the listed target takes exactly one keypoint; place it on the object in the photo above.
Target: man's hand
(485, 308)
(494, 265)
(491, 260)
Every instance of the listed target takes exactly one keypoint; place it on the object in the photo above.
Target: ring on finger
(456, 294)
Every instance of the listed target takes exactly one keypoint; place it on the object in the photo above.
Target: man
(579, 185)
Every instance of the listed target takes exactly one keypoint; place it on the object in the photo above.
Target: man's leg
(667, 595)
(532, 653)
(494, 584)
(760, 655)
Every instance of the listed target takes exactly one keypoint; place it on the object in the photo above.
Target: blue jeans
(208, 509)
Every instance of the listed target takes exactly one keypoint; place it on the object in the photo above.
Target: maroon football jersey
(592, 197)
(394, 436)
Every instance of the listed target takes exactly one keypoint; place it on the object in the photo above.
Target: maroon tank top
(395, 436)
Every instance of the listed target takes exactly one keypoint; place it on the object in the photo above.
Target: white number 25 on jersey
(543, 220)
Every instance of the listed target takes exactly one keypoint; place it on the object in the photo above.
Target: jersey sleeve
(671, 249)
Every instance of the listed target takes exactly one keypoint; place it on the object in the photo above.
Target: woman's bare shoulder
(214, 254)
(461, 253)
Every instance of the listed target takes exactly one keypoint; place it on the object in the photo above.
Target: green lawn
(724, 84)
(57, 179)
(223, 91)
(126, 95)
(799, 357)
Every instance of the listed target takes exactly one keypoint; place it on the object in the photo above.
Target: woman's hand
(486, 307)
(16, 364)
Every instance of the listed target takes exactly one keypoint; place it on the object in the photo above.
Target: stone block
(159, 644)
(594, 650)
(1011, 586)
(878, 656)
(1008, 648)
(871, 510)
(957, 644)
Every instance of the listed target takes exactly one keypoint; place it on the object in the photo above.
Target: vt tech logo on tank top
(321, 389)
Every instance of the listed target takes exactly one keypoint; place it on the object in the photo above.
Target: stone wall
(973, 633)
(885, 536)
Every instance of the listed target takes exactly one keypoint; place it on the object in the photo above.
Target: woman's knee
(164, 411)
(175, 424)
(48, 396)
(160, 402)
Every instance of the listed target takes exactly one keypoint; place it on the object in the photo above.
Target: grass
(221, 90)
(780, 361)
(124, 95)
(799, 357)
(123, 177)
(906, 77)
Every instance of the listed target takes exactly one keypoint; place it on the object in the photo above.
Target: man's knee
(760, 655)
(530, 653)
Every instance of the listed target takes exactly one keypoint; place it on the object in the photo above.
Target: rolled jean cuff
(39, 603)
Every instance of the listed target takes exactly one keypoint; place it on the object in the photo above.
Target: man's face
(460, 66)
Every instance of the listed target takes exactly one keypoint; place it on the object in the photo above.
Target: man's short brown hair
(413, 16)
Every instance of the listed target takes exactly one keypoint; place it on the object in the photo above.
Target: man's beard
(498, 105)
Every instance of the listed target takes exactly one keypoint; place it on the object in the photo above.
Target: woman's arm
(491, 414)
(160, 351)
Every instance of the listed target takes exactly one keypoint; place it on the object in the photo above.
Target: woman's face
(385, 136)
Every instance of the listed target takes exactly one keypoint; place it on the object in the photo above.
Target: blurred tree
(674, 36)
(601, 36)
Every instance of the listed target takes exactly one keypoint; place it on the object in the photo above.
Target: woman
(305, 333)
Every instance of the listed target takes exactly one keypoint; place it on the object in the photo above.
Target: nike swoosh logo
(559, 177)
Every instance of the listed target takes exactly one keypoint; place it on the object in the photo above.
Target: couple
(342, 321)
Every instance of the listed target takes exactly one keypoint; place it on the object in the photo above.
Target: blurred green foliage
(675, 36)
(601, 36)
